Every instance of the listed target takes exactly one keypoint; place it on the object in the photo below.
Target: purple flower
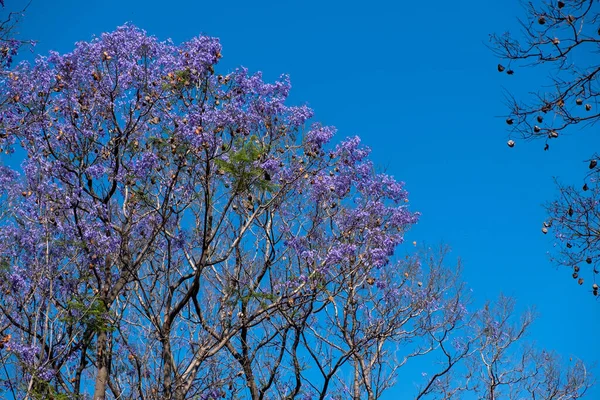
(319, 135)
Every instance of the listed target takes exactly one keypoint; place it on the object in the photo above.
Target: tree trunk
(356, 381)
(102, 374)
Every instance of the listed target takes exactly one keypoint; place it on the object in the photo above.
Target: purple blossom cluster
(26, 353)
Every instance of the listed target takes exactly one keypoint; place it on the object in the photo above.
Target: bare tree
(562, 38)
(501, 364)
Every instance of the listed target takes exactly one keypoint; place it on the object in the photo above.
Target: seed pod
(510, 72)
(511, 143)
(510, 121)
(556, 41)
(578, 102)
(588, 260)
(593, 164)
(595, 286)
(370, 280)
(540, 119)
(570, 211)
(544, 230)
(500, 68)
(570, 19)
(575, 275)
(553, 134)
(248, 205)
(585, 187)
(580, 281)
(561, 4)
(576, 268)
(588, 107)
(569, 245)
(536, 129)
(542, 20)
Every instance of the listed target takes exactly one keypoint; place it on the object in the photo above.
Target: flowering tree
(564, 37)
(173, 233)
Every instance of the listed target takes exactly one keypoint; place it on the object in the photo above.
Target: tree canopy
(175, 233)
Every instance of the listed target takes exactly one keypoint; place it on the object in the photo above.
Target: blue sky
(416, 82)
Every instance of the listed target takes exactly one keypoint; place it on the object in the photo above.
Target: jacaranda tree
(173, 233)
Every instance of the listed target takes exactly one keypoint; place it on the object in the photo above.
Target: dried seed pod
(576, 268)
(570, 19)
(541, 20)
(544, 230)
(556, 41)
(575, 275)
(588, 107)
(595, 286)
(553, 134)
(510, 72)
(593, 164)
(540, 119)
(588, 260)
(580, 281)
(500, 68)
(510, 121)
(248, 205)
(569, 245)
(536, 129)
(579, 102)
(561, 4)
(570, 211)
(511, 143)
(585, 187)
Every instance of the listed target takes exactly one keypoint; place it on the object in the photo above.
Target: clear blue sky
(415, 81)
